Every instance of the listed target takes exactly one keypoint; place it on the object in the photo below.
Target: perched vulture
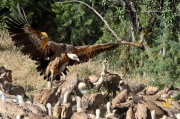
(52, 57)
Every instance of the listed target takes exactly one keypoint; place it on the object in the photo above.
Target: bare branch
(146, 30)
(134, 15)
(132, 29)
(112, 31)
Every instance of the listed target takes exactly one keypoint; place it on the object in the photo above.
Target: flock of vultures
(94, 97)
(73, 98)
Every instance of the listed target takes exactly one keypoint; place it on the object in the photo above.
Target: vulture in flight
(52, 57)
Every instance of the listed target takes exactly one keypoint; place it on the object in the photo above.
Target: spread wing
(85, 53)
(31, 41)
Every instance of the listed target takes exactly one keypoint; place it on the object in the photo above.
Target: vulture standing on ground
(52, 57)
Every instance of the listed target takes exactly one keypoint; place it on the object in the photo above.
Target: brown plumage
(46, 96)
(9, 109)
(132, 87)
(51, 56)
(142, 112)
(68, 85)
(91, 102)
(112, 80)
(66, 106)
(31, 115)
(81, 114)
(170, 107)
(14, 89)
(152, 106)
(63, 110)
(6, 74)
(110, 113)
(149, 90)
(130, 114)
(93, 78)
(120, 98)
(125, 105)
(57, 110)
(10, 88)
(35, 108)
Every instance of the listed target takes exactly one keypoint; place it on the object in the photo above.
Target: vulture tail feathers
(41, 66)
(19, 15)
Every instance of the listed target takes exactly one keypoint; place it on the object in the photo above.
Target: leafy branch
(112, 31)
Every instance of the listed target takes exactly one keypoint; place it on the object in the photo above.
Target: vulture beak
(73, 56)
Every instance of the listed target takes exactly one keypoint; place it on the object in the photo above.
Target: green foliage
(76, 23)
(177, 97)
(92, 90)
(178, 7)
(120, 12)
(95, 90)
(87, 24)
(86, 72)
(163, 70)
(69, 22)
(166, 69)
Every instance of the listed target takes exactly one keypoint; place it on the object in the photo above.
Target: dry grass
(24, 69)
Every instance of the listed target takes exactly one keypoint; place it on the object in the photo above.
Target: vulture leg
(51, 78)
(49, 85)
(63, 75)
